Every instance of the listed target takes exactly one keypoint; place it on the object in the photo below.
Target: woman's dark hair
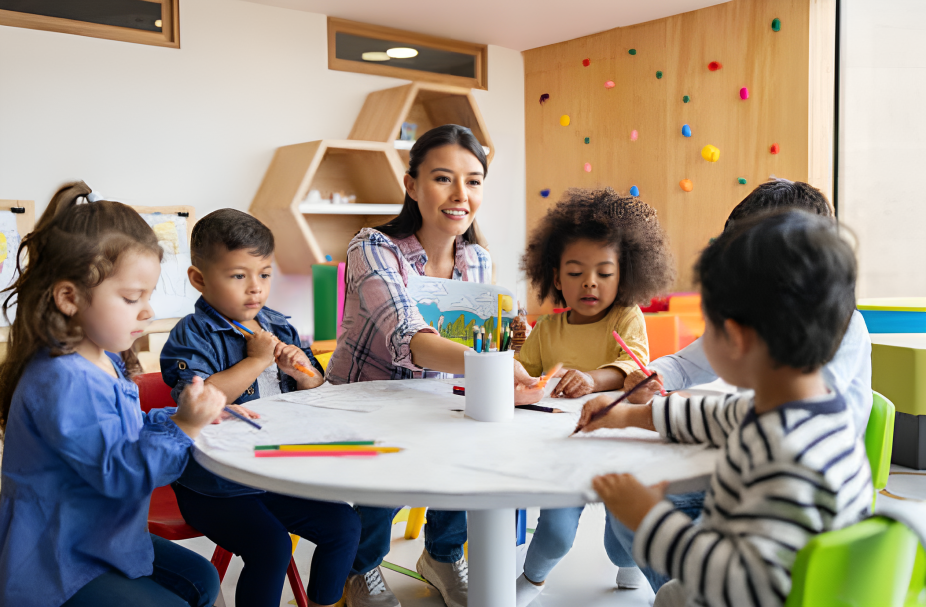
(646, 265)
(409, 220)
(788, 275)
(781, 194)
(81, 243)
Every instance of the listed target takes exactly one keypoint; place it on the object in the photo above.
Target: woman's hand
(573, 384)
(288, 356)
(199, 405)
(240, 409)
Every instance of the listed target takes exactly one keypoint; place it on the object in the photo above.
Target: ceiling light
(157, 23)
(402, 53)
(375, 56)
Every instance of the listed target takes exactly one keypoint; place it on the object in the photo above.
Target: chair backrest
(153, 392)
(879, 439)
(870, 564)
(323, 359)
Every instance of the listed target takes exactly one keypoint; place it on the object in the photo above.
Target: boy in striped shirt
(777, 291)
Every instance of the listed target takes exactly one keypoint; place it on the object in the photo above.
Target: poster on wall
(174, 296)
(9, 247)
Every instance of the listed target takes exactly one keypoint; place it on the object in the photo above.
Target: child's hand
(615, 418)
(225, 415)
(262, 345)
(627, 498)
(288, 356)
(647, 392)
(199, 405)
(573, 385)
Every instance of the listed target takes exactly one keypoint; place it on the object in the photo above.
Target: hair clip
(94, 197)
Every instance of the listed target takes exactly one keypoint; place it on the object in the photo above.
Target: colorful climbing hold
(633, 135)
(544, 97)
(587, 140)
(686, 130)
(609, 84)
(710, 153)
(741, 181)
(744, 93)
(776, 24)
(545, 192)
(329, 258)
(632, 51)
(634, 190)
(714, 66)
(658, 75)
(686, 185)
(686, 99)
(586, 62)
(588, 167)
(775, 148)
(564, 120)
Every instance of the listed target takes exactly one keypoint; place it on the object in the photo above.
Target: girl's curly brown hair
(647, 268)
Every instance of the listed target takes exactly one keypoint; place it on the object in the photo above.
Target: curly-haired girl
(601, 254)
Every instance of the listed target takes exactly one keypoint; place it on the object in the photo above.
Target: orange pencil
(545, 378)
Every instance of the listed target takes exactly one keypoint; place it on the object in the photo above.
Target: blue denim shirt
(204, 343)
(79, 465)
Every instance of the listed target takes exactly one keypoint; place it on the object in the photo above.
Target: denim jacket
(204, 343)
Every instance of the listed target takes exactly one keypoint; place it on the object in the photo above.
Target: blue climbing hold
(686, 131)
(634, 190)
(545, 192)
(329, 258)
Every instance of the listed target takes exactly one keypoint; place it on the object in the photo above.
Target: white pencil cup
(489, 385)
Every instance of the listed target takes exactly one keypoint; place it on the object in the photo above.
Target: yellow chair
(323, 359)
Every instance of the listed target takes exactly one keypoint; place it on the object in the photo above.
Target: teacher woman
(385, 337)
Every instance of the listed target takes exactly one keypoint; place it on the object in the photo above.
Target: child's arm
(232, 382)
(575, 383)
(288, 356)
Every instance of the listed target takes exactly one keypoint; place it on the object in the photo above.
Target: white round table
(449, 462)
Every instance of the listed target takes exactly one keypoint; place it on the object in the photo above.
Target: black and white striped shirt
(785, 476)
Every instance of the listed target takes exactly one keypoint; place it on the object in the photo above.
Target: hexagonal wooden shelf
(305, 233)
(426, 104)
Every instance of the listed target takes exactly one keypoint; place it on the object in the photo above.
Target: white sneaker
(526, 591)
(450, 579)
(369, 590)
(630, 578)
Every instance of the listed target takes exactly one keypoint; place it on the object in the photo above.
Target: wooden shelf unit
(426, 104)
(370, 170)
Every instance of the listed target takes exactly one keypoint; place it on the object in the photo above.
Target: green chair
(879, 440)
(875, 563)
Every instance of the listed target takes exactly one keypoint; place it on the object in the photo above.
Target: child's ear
(556, 283)
(411, 186)
(196, 278)
(67, 298)
(740, 337)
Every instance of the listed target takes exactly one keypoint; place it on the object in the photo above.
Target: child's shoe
(369, 590)
(526, 591)
(630, 578)
(450, 579)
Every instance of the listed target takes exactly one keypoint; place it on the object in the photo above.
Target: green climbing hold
(742, 180)
(658, 75)
(686, 98)
(587, 140)
(632, 51)
(776, 24)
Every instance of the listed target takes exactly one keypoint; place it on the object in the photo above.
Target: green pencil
(277, 447)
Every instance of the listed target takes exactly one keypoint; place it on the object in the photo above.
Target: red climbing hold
(586, 62)
(714, 66)
(775, 149)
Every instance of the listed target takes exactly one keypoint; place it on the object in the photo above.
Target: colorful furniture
(879, 439)
(328, 296)
(164, 518)
(894, 314)
(898, 371)
(877, 562)
(663, 333)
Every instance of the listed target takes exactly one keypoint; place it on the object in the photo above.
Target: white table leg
(492, 557)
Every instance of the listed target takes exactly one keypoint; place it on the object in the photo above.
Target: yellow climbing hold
(710, 153)
(564, 120)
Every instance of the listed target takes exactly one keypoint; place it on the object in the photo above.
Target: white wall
(198, 126)
(882, 191)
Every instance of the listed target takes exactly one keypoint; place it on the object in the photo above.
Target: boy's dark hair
(788, 275)
(231, 229)
(780, 194)
(646, 265)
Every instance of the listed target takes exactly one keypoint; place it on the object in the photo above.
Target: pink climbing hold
(609, 84)
(588, 167)
(744, 93)
(634, 135)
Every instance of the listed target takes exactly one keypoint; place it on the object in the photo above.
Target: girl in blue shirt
(81, 460)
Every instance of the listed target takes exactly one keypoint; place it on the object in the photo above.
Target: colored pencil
(546, 377)
(242, 327)
(316, 453)
(298, 367)
(538, 408)
(345, 443)
(634, 357)
(242, 418)
(337, 448)
(459, 390)
(602, 412)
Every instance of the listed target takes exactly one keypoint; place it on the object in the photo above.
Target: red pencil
(643, 368)
(315, 453)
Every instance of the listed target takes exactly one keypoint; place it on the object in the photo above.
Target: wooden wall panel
(774, 66)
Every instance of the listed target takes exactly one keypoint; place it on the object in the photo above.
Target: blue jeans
(553, 538)
(689, 503)
(181, 578)
(444, 536)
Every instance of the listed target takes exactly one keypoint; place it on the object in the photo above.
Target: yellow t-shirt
(586, 347)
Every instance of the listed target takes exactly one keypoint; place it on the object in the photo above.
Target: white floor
(585, 577)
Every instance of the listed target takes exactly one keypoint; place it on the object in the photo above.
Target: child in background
(601, 254)
(777, 292)
(81, 458)
(232, 258)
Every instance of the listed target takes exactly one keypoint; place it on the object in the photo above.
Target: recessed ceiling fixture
(157, 23)
(402, 53)
(375, 56)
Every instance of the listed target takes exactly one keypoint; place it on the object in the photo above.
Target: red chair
(164, 518)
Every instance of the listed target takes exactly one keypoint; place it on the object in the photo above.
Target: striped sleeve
(699, 419)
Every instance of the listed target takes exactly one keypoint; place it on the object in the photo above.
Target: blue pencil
(242, 327)
(242, 418)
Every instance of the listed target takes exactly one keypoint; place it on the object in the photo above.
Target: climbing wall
(636, 108)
